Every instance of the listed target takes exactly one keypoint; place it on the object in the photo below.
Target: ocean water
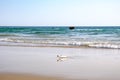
(95, 37)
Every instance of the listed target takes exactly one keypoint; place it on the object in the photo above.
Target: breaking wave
(93, 37)
(61, 42)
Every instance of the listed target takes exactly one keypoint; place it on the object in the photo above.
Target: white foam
(64, 42)
(101, 45)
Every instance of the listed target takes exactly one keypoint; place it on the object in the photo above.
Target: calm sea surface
(97, 37)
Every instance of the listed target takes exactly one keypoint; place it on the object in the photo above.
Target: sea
(61, 36)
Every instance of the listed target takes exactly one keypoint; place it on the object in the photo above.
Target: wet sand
(80, 63)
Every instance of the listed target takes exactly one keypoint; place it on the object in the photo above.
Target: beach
(59, 40)
(11, 76)
(79, 64)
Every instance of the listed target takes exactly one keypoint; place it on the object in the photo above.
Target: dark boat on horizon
(72, 27)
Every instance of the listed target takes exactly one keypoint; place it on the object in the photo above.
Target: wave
(6, 34)
(97, 37)
(62, 42)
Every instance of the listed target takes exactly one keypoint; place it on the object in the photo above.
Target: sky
(59, 12)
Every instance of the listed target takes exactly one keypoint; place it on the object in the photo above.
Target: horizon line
(59, 25)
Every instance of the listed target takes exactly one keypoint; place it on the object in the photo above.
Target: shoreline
(55, 46)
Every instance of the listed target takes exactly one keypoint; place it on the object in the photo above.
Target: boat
(71, 27)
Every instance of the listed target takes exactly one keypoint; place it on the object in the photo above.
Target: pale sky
(59, 12)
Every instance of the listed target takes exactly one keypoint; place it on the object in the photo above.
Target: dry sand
(7, 76)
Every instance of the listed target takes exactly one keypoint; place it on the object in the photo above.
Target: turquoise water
(97, 37)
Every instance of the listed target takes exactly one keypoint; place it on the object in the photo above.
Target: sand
(42, 63)
(11, 76)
